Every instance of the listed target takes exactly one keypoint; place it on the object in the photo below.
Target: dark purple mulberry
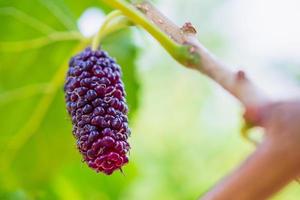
(95, 99)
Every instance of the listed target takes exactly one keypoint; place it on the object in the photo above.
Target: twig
(236, 83)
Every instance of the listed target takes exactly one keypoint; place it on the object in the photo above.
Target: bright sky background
(264, 33)
(265, 28)
(90, 21)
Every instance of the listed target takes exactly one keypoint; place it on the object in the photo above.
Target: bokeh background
(185, 128)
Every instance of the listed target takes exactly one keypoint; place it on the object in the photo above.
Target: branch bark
(276, 161)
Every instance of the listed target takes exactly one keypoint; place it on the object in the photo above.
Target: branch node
(241, 75)
(142, 7)
(192, 49)
(188, 28)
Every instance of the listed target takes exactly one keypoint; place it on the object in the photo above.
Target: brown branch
(236, 83)
(161, 21)
(276, 161)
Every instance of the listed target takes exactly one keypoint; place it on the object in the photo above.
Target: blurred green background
(185, 129)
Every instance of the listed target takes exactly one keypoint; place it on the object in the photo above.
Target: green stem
(138, 18)
(102, 31)
(118, 24)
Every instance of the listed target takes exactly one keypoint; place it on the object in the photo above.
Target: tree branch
(275, 162)
(261, 175)
(236, 83)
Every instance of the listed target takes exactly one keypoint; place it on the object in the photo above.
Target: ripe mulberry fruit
(95, 98)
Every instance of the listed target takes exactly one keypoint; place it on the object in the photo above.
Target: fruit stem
(113, 22)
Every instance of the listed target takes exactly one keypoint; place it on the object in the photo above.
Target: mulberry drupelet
(95, 99)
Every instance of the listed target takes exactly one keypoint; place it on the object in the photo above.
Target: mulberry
(95, 99)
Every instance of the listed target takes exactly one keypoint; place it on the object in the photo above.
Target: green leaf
(37, 39)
